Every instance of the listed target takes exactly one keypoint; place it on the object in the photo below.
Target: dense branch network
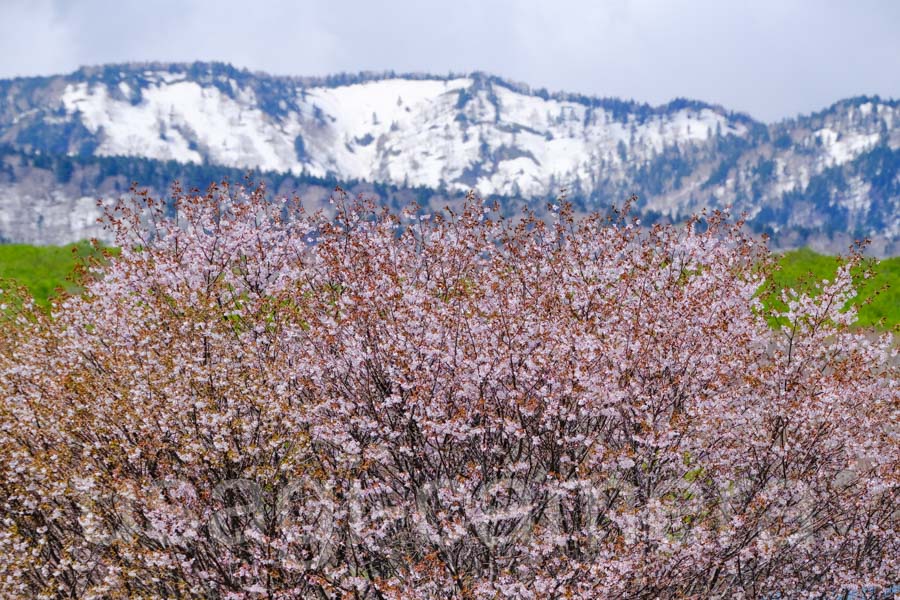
(254, 401)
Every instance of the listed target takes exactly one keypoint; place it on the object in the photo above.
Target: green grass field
(41, 269)
(44, 269)
(878, 298)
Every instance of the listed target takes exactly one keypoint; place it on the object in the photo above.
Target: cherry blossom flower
(255, 401)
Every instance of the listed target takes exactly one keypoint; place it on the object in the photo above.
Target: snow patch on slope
(176, 121)
(458, 133)
(842, 148)
(383, 130)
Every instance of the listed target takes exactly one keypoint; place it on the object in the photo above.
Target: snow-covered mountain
(832, 172)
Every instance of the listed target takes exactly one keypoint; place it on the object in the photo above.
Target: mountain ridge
(831, 173)
(331, 80)
(364, 76)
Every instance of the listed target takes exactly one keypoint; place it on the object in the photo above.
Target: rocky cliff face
(827, 174)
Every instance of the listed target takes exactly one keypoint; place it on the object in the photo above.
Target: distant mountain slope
(827, 174)
(53, 198)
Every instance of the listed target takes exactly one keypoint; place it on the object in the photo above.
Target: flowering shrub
(253, 401)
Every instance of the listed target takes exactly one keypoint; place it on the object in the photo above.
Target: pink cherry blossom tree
(252, 401)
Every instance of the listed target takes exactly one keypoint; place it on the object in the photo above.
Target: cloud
(771, 58)
(33, 39)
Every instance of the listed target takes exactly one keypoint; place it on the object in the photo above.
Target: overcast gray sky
(770, 58)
